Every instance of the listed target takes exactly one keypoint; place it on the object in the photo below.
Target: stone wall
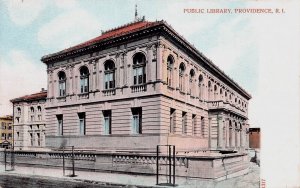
(207, 167)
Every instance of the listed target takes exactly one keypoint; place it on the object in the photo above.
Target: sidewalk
(250, 180)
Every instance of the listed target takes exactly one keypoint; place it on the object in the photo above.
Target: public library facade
(138, 86)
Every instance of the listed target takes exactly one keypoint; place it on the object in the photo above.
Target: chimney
(43, 90)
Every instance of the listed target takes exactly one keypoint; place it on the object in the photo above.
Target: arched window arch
(181, 76)
(62, 83)
(139, 73)
(200, 80)
(170, 64)
(191, 77)
(109, 71)
(84, 79)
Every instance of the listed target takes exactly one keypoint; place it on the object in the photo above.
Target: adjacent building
(132, 88)
(6, 131)
(29, 123)
(254, 138)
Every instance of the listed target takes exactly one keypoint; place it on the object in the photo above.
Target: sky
(259, 51)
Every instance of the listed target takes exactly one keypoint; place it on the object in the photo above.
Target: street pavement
(33, 177)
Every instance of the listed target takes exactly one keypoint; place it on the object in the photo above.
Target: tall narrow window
(209, 90)
(172, 120)
(200, 79)
(230, 134)
(136, 120)
(62, 83)
(32, 117)
(31, 109)
(139, 64)
(84, 79)
(191, 77)
(184, 122)
(170, 63)
(60, 129)
(202, 126)
(194, 127)
(181, 76)
(109, 72)
(18, 111)
(215, 92)
(82, 122)
(31, 139)
(107, 122)
(38, 139)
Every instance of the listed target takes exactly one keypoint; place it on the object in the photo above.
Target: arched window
(62, 83)
(230, 134)
(109, 67)
(84, 79)
(192, 74)
(170, 63)
(31, 109)
(215, 92)
(200, 79)
(39, 108)
(19, 111)
(139, 73)
(181, 76)
(209, 90)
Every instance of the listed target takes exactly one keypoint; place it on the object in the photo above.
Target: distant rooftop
(36, 96)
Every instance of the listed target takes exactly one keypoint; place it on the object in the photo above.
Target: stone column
(121, 70)
(209, 132)
(70, 82)
(220, 130)
(159, 62)
(149, 64)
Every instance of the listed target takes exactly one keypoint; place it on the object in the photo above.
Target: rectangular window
(32, 118)
(194, 124)
(40, 117)
(109, 81)
(136, 120)
(9, 136)
(139, 76)
(82, 127)
(62, 88)
(84, 85)
(31, 139)
(39, 139)
(202, 125)
(3, 136)
(60, 125)
(18, 134)
(3, 125)
(107, 122)
(184, 122)
(181, 82)
(172, 120)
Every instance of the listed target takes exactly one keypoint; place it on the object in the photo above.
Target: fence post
(73, 162)
(5, 160)
(157, 170)
(63, 161)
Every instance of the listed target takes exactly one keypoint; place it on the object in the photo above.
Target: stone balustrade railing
(109, 92)
(138, 88)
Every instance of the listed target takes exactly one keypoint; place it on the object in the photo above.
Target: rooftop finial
(136, 14)
(136, 17)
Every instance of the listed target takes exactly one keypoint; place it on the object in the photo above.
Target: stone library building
(138, 86)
